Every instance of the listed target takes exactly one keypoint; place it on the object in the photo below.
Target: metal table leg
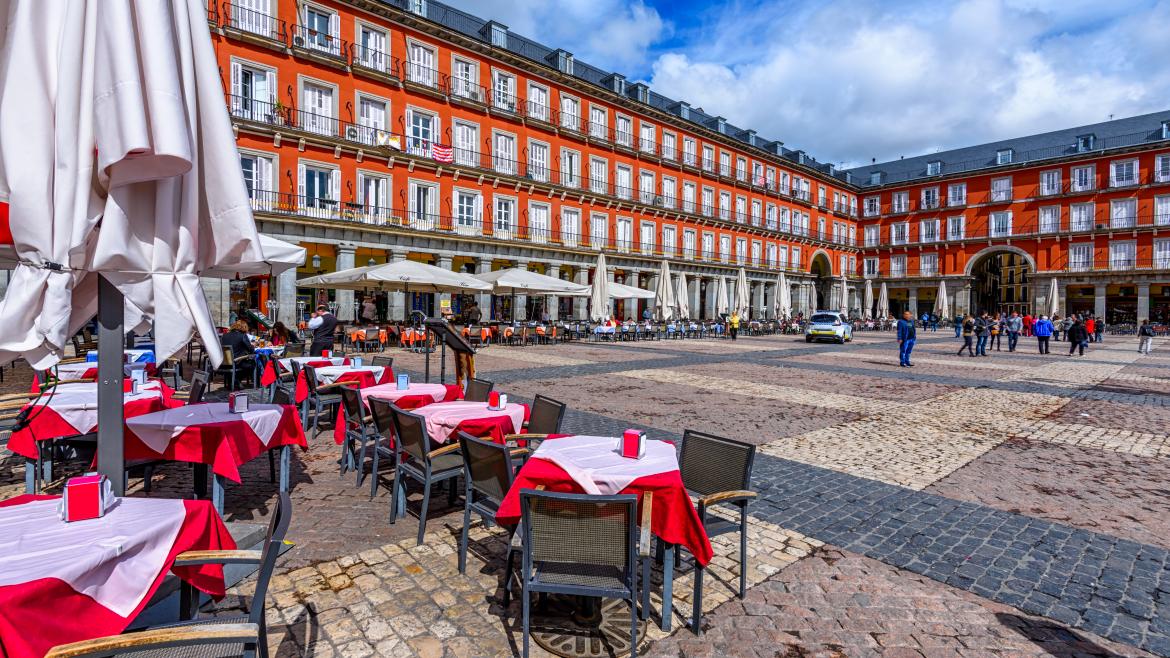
(30, 475)
(217, 492)
(285, 455)
(667, 586)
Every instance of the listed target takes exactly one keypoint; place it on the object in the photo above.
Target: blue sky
(850, 80)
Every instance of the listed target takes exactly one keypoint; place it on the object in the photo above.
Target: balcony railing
(320, 42)
(375, 60)
(253, 22)
(982, 228)
(421, 75)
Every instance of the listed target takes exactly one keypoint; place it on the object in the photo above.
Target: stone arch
(822, 254)
(989, 251)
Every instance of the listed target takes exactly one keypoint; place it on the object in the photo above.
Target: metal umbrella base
(579, 627)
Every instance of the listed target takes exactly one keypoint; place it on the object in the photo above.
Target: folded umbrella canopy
(883, 309)
(622, 291)
(743, 300)
(867, 312)
(278, 256)
(942, 305)
(1053, 299)
(521, 282)
(682, 297)
(844, 298)
(722, 305)
(599, 301)
(664, 293)
(783, 297)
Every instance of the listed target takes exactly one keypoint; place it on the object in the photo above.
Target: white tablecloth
(444, 417)
(390, 392)
(77, 403)
(157, 429)
(329, 374)
(595, 464)
(114, 560)
(286, 364)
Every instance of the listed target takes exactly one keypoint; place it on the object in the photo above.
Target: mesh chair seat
(446, 462)
(197, 651)
(598, 576)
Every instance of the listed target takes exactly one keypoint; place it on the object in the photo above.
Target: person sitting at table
(323, 324)
(279, 334)
(236, 339)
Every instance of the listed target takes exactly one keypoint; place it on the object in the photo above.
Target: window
(321, 31)
(928, 264)
(421, 127)
(1003, 156)
(253, 90)
(758, 174)
(708, 247)
(252, 16)
(1123, 172)
(625, 130)
(724, 163)
(689, 151)
(796, 257)
(770, 216)
(1084, 178)
(570, 226)
(538, 100)
(319, 188)
(689, 196)
(1050, 219)
(899, 233)
(757, 210)
(598, 175)
(928, 230)
(1001, 224)
(900, 202)
(570, 113)
(668, 145)
(1080, 257)
(1123, 213)
(598, 230)
(374, 196)
(1001, 189)
(1085, 142)
(505, 217)
(669, 240)
(740, 209)
(646, 238)
(708, 201)
(598, 120)
(740, 169)
(1122, 255)
(725, 248)
(772, 259)
(625, 234)
(465, 79)
(724, 205)
(957, 194)
(539, 222)
(871, 267)
(708, 157)
(1162, 167)
(418, 7)
(821, 196)
(785, 222)
(504, 153)
(570, 168)
(646, 186)
(782, 257)
(538, 161)
(318, 109)
(371, 121)
(646, 138)
(504, 91)
(933, 168)
(372, 50)
(956, 228)
(873, 206)
(669, 188)
(1162, 211)
(258, 179)
(872, 235)
(741, 250)
(852, 235)
(875, 178)
(688, 243)
(466, 142)
(624, 182)
(898, 266)
(1081, 217)
(424, 205)
(467, 211)
(421, 69)
(1162, 254)
(929, 198)
(1050, 182)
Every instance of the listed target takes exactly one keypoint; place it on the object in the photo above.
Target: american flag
(441, 153)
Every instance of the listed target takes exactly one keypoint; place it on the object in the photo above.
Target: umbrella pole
(111, 343)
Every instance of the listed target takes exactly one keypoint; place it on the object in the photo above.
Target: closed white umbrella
(682, 297)
(278, 256)
(942, 305)
(1053, 299)
(599, 304)
(664, 292)
(784, 305)
(722, 303)
(867, 312)
(622, 291)
(883, 309)
(844, 294)
(743, 300)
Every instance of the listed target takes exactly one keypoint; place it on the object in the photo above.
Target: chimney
(495, 33)
(561, 60)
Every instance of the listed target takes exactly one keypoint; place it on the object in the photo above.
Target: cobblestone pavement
(955, 501)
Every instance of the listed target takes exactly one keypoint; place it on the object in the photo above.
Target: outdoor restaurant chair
(426, 466)
(383, 418)
(199, 380)
(320, 398)
(545, 418)
(236, 368)
(582, 545)
(172, 368)
(487, 473)
(717, 471)
(478, 390)
(212, 636)
(359, 431)
(383, 361)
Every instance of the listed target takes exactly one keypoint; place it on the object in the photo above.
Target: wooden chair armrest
(159, 638)
(520, 452)
(726, 496)
(368, 419)
(321, 387)
(644, 535)
(76, 359)
(524, 437)
(194, 558)
(16, 397)
(444, 450)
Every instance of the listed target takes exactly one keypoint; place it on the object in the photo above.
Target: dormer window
(1085, 143)
(418, 7)
(1166, 130)
(875, 178)
(934, 168)
(1003, 156)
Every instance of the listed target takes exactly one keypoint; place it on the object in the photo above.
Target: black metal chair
(358, 431)
(213, 636)
(172, 368)
(320, 398)
(717, 471)
(199, 380)
(425, 466)
(487, 473)
(478, 390)
(384, 361)
(236, 369)
(546, 418)
(383, 418)
(583, 545)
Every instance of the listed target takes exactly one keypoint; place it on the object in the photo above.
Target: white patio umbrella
(883, 309)
(599, 304)
(1053, 299)
(520, 281)
(942, 305)
(867, 312)
(844, 294)
(784, 297)
(682, 297)
(278, 256)
(722, 304)
(664, 293)
(405, 275)
(743, 300)
(622, 291)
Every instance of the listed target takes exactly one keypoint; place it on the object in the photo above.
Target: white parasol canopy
(942, 304)
(1053, 299)
(113, 114)
(722, 304)
(883, 310)
(279, 256)
(622, 291)
(664, 292)
(743, 300)
(783, 297)
(867, 312)
(682, 297)
(406, 275)
(599, 305)
(522, 282)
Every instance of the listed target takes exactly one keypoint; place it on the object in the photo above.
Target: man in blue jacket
(1043, 331)
(907, 334)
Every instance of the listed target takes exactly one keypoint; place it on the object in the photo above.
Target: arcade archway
(822, 270)
(1001, 281)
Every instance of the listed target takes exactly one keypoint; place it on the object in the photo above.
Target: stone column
(1143, 302)
(216, 291)
(443, 262)
(396, 301)
(520, 302)
(581, 304)
(652, 286)
(709, 297)
(758, 310)
(1099, 300)
(285, 291)
(963, 299)
(552, 302)
(1062, 294)
(912, 304)
(344, 298)
(693, 292)
(484, 299)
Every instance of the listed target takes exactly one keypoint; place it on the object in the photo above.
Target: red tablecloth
(674, 518)
(35, 616)
(363, 378)
(269, 376)
(406, 402)
(91, 373)
(225, 446)
(46, 424)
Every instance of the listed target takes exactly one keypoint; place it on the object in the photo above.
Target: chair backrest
(273, 540)
(411, 430)
(281, 395)
(383, 414)
(198, 386)
(384, 361)
(580, 529)
(487, 466)
(351, 400)
(310, 378)
(228, 358)
(478, 390)
(711, 464)
(546, 415)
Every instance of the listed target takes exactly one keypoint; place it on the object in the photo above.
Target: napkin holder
(86, 496)
(325, 353)
(632, 444)
(238, 402)
(138, 375)
(402, 382)
(497, 401)
(91, 356)
(355, 361)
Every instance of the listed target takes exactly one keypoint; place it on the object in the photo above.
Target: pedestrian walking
(1055, 327)
(1145, 337)
(967, 326)
(907, 335)
(1043, 330)
(1078, 337)
(958, 325)
(1014, 324)
(1065, 324)
(1090, 328)
(982, 333)
(996, 331)
(733, 324)
(1099, 329)
(1028, 322)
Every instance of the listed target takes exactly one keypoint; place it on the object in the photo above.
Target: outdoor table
(363, 376)
(594, 466)
(69, 372)
(66, 582)
(211, 436)
(444, 419)
(412, 397)
(137, 355)
(271, 350)
(71, 409)
(270, 373)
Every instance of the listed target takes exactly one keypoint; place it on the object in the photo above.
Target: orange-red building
(378, 130)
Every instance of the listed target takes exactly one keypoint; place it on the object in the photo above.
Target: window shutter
(301, 182)
(335, 28)
(237, 72)
(264, 186)
(271, 77)
(335, 185)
